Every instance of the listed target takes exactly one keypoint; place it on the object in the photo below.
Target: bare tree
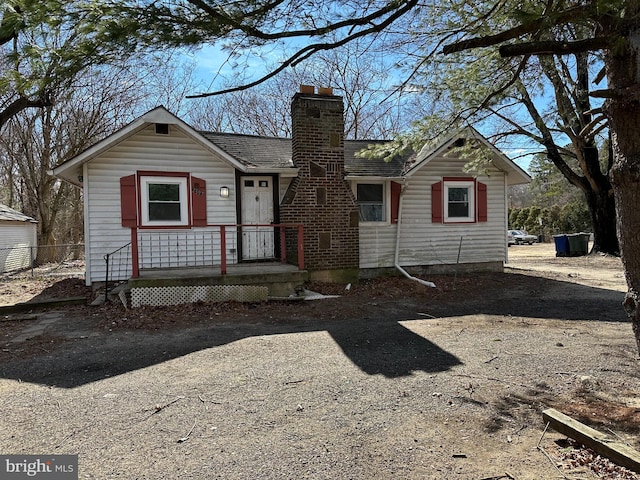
(374, 108)
(163, 78)
(34, 141)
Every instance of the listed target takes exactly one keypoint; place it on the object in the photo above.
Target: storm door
(257, 209)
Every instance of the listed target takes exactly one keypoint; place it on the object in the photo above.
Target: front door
(257, 209)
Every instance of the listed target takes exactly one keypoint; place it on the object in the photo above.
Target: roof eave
(515, 174)
(282, 171)
(68, 171)
(353, 176)
(72, 165)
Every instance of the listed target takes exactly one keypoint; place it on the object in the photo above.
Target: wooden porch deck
(233, 270)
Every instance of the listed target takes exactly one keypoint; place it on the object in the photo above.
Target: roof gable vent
(162, 129)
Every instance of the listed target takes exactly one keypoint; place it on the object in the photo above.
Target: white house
(187, 198)
(18, 239)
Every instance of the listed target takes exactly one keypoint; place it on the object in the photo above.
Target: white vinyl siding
(425, 243)
(16, 242)
(146, 151)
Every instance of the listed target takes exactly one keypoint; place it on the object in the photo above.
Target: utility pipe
(397, 255)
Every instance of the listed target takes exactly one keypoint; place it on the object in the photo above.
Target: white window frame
(144, 200)
(386, 212)
(471, 186)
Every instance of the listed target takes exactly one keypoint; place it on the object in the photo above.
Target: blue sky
(211, 65)
(213, 69)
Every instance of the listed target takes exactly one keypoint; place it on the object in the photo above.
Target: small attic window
(162, 129)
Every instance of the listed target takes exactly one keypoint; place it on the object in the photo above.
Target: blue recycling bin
(562, 245)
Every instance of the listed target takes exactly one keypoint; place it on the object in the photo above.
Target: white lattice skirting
(176, 295)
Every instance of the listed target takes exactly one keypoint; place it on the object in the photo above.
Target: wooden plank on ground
(599, 442)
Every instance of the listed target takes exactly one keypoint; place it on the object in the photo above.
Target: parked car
(520, 237)
(510, 239)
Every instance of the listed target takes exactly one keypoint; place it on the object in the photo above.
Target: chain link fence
(41, 261)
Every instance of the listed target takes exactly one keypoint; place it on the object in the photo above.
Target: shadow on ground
(537, 297)
(385, 348)
(365, 327)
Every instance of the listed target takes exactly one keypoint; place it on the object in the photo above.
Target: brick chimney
(319, 197)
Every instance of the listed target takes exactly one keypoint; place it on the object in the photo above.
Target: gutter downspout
(397, 254)
(506, 219)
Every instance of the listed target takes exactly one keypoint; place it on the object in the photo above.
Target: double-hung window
(371, 201)
(164, 200)
(459, 201)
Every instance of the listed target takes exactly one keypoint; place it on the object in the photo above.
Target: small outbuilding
(18, 239)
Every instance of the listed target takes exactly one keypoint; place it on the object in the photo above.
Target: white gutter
(396, 259)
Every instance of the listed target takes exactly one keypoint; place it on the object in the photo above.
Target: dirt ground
(389, 380)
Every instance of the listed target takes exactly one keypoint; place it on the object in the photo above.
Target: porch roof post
(135, 267)
(223, 250)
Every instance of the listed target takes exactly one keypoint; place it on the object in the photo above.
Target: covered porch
(170, 267)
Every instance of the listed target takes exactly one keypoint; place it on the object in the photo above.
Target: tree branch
(251, 31)
(594, 127)
(514, 78)
(555, 47)
(553, 151)
(630, 94)
(19, 105)
(559, 18)
(517, 128)
(309, 50)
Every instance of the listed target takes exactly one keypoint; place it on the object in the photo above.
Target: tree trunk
(602, 208)
(623, 112)
(47, 249)
(626, 181)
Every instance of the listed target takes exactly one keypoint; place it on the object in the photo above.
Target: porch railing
(215, 245)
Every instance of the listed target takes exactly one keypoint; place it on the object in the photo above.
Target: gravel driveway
(391, 380)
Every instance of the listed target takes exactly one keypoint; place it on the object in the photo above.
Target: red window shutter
(396, 188)
(198, 202)
(482, 202)
(128, 201)
(437, 212)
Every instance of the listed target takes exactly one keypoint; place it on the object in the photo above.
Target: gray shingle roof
(368, 167)
(7, 213)
(272, 152)
(253, 150)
